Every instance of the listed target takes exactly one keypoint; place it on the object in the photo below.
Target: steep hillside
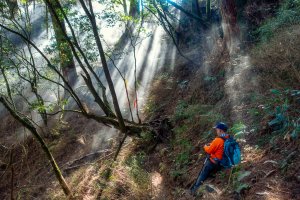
(256, 90)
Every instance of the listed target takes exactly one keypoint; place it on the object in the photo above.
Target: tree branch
(73, 94)
(204, 23)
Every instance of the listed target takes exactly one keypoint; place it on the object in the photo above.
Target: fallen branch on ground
(88, 157)
(269, 173)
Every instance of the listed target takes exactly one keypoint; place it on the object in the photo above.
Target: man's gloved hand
(200, 156)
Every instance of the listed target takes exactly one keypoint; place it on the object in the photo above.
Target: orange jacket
(215, 149)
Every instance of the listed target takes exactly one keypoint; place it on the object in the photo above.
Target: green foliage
(179, 130)
(106, 173)
(241, 187)
(2, 5)
(237, 179)
(288, 14)
(39, 106)
(185, 111)
(265, 139)
(49, 107)
(283, 107)
(136, 171)
(178, 172)
(254, 112)
(184, 148)
(279, 108)
(242, 174)
(150, 106)
(238, 129)
(211, 117)
(295, 133)
(147, 136)
(180, 111)
(210, 78)
(183, 157)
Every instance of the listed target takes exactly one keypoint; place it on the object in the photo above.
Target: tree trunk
(7, 85)
(109, 120)
(75, 45)
(13, 7)
(189, 14)
(26, 123)
(230, 26)
(11, 164)
(208, 9)
(92, 19)
(134, 8)
(125, 7)
(34, 89)
(65, 53)
(196, 8)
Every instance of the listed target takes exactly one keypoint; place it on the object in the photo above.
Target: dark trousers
(208, 168)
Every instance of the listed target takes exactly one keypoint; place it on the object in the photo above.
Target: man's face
(218, 131)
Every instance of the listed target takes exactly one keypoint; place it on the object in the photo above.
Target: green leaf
(295, 134)
(210, 78)
(238, 128)
(242, 187)
(295, 92)
(275, 91)
(243, 174)
(239, 134)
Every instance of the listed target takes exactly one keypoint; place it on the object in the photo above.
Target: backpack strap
(224, 136)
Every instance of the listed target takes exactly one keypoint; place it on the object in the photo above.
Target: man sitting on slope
(215, 153)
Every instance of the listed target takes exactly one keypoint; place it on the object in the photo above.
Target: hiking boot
(192, 192)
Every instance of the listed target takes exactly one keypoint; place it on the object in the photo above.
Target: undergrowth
(139, 175)
(284, 109)
(190, 121)
(288, 14)
(277, 62)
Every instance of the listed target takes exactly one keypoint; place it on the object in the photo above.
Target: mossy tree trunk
(64, 50)
(230, 26)
(28, 124)
(74, 46)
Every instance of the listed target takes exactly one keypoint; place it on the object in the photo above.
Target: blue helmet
(222, 126)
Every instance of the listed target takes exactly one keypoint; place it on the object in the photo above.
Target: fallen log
(87, 158)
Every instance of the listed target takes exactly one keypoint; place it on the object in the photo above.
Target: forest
(121, 99)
